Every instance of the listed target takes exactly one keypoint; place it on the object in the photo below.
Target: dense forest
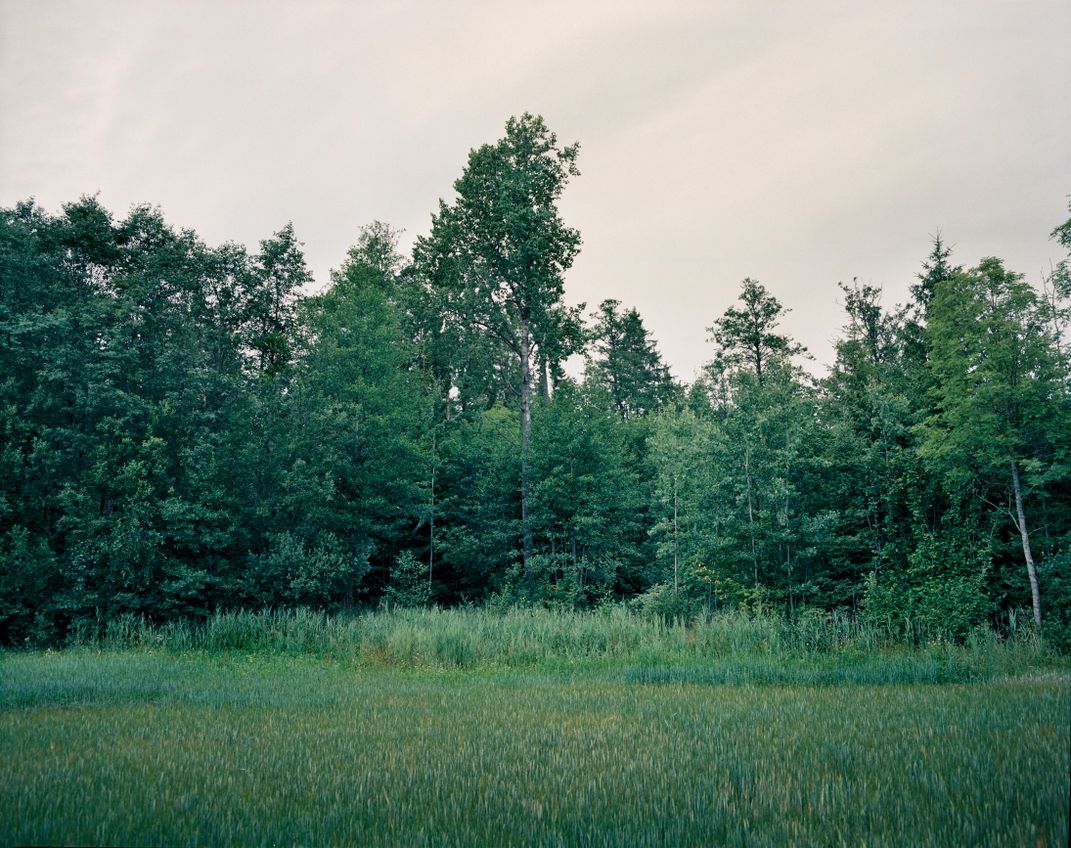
(186, 429)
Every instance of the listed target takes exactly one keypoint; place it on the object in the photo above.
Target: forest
(189, 429)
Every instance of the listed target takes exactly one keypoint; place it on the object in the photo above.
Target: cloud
(798, 143)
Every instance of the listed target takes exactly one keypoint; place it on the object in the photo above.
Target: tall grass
(475, 638)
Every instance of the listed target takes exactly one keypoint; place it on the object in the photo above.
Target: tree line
(184, 429)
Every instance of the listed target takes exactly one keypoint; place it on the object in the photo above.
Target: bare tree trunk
(1035, 597)
(526, 437)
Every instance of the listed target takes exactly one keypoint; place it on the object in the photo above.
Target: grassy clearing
(156, 747)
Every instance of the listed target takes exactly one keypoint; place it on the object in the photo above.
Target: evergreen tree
(626, 362)
(587, 499)
(764, 437)
(935, 270)
(355, 458)
(867, 418)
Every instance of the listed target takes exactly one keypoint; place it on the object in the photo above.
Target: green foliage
(993, 374)
(625, 362)
(586, 507)
(409, 585)
(746, 336)
(151, 440)
(490, 273)
(947, 578)
(942, 594)
(1054, 574)
(998, 411)
(936, 269)
(684, 601)
(278, 275)
(298, 572)
(478, 500)
(494, 263)
(29, 568)
(184, 430)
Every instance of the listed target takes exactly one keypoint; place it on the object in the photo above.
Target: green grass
(182, 747)
(518, 638)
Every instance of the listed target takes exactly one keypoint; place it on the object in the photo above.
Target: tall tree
(995, 404)
(272, 301)
(497, 255)
(763, 438)
(935, 270)
(348, 490)
(866, 416)
(746, 335)
(626, 362)
(1057, 293)
(686, 526)
(587, 499)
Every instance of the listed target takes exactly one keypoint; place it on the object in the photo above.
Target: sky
(800, 144)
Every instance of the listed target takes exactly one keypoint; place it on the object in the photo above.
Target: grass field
(154, 746)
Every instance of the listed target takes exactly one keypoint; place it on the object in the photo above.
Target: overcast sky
(796, 143)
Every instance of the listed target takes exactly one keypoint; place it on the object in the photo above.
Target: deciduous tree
(498, 253)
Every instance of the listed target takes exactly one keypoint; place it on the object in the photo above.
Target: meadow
(532, 728)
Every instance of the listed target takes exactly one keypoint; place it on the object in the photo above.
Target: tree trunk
(1035, 597)
(526, 437)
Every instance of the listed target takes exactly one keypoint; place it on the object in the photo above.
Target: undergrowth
(726, 648)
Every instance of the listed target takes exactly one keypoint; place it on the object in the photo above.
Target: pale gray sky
(796, 143)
